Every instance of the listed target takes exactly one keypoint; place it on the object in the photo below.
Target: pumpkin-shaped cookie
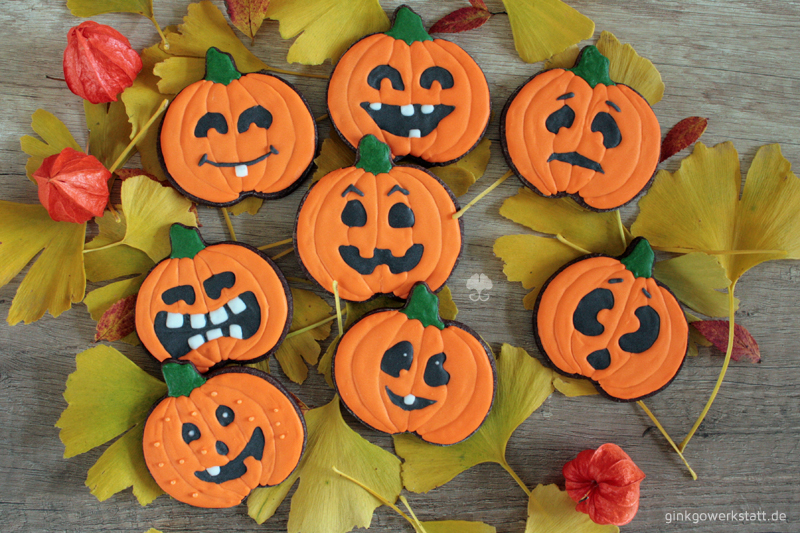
(422, 96)
(576, 132)
(376, 228)
(401, 370)
(233, 135)
(210, 304)
(609, 320)
(212, 440)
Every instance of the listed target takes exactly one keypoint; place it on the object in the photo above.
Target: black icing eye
(562, 118)
(398, 357)
(211, 121)
(435, 374)
(432, 74)
(255, 115)
(385, 71)
(176, 294)
(217, 282)
(401, 216)
(189, 432)
(354, 214)
(642, 339)
(605, 124)
(584, 319)
(224, 415)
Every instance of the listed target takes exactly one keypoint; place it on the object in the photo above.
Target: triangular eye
(562, 118)
(255, 115)
(354, 215)
(432, 74)
(211, 121)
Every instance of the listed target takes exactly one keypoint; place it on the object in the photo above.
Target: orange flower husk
(73, 186)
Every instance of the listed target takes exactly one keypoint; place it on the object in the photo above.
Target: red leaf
(118, 320)
(466, 18)
(99, 62)
(479, 4)
(682, 135)
(247, 15)
(745, 347)
(73, 186)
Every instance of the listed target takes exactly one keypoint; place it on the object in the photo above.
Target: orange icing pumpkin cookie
(376, 228)
(422, 96)
(233, 135)
(212, 440)
(576, 132)
(210, 304)
(609, 320)
(407, 370)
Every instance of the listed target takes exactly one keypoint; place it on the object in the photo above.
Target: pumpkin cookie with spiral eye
(213, 439)
(211, 304)
(422, 96)
(575, 132)
(233, 135)
(407, 370)
(609, 320)
(376, 228)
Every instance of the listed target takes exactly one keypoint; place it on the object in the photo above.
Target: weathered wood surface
(734, 62)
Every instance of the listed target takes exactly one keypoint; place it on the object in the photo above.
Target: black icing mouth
(414, 404)
(419, 121)
(239, 318)
(381, 256)
(205, 160)
(236, 468)
(578, 160)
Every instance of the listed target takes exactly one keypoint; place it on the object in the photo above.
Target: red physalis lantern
(73, 186)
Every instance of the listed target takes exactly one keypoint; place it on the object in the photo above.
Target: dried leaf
(696, 279)
(551, 510)
(109, 130)
(116, 261)
(90, 8)
(99, 301)
(328, 27)
(745, 347)
(572, 387)
(630, 68)
(523, 384)
(464, 19)
(55, 135)
(457, 526)
(479, 4)
(333, 156)
(247, 15)
(682, 135)
(545, 27)
(118, 321)
(462, 174)
(325, 502)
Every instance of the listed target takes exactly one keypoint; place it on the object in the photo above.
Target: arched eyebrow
(615, 106)
(397, 188)
(352, 188)
(566, 96)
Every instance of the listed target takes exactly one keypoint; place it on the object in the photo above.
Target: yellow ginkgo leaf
(457, 526)
(325, 502)
(523, 384)
(334, 155)
(55, 135)
(696, 279)
(100, 300)
(542, 28)
(177, 73)
(328, 27)
(697, 208)
(551, 510)
(90, 8)
(462, 174)
(565, 59)
(56, 280)
(109, 131)
(572, 387)
(630, 68)
(250, 205)
(105, 260)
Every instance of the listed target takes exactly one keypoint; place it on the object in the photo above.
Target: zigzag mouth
(235, 468)
(366, 265)
(413, 120)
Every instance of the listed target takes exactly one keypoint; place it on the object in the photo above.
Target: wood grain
(733, 62)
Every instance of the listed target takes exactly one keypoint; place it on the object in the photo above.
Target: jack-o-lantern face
(212, 304)
(401, 370)
(423, 97)
(212, 440)
(575, 132)
(376, 228)
(233, 135)
(608, 320)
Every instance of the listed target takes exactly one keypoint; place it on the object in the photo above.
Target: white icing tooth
(414, 133)
(214, 334)
(236, 331)
(407, 110)
(213, 471)
(196, 342)
(236, 306)
(426, 109)
(375, 106)
(410, 399)
(218, 316)
(174, 320)
(241, 171)
(197, 321)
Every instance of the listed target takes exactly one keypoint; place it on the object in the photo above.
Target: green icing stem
(186, 241)
(639, 258)
(374, 156)
(423, 305)
(593, 67)
(220, 67)
(181, 378)
(408, 26)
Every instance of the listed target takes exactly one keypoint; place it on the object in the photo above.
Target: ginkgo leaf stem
(141, 133)
(718, 252)
(514, 475)
(228, 223)
(666, 436)
(338, 306)
(293, 73)
(283, 253)
(164, 41)
(490, 188)
(275, 244)
(419, 527)
(622, 230)
(572, 245)
(728, 353)
(321, 118)
(105, 247)
(315, 325)
(375, 495)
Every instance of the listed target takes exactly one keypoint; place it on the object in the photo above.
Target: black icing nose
(600, 360)
(222, 449)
